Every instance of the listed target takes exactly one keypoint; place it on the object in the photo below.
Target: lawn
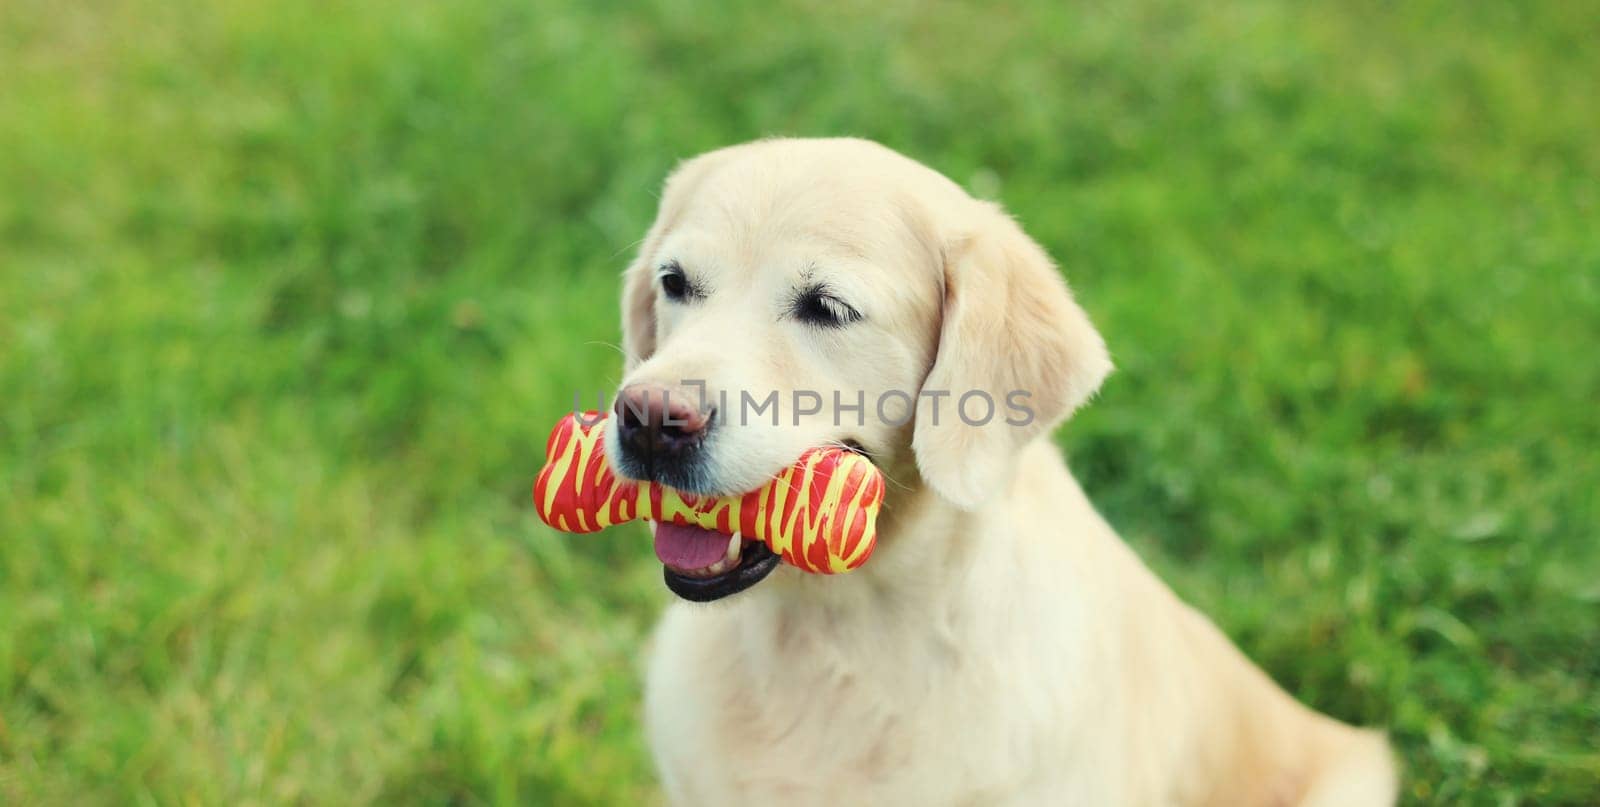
(291, 291)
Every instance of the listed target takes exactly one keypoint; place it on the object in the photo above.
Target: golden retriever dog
(1002, 645)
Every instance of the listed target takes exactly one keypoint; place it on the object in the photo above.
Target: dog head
(795, 293)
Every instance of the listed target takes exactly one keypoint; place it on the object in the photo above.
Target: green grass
(290, 292)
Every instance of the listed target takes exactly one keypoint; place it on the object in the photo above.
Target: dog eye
(816, 306)
(674, 283)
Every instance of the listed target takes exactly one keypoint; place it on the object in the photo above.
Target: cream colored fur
(1003, 646)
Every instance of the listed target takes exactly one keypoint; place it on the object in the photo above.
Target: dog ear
(638, 280)
(1012, 331)
(638, 309)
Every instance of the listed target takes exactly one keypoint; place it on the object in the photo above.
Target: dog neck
(916, 589)
(937, 569)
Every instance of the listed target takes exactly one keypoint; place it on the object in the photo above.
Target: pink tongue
(689, 547)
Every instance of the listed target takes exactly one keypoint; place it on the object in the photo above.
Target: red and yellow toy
(817, 514)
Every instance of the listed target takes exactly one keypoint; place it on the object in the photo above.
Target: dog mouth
(703, 565)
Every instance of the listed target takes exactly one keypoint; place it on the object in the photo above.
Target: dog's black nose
(659, 426)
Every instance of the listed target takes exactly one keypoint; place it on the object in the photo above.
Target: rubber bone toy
(817, 514)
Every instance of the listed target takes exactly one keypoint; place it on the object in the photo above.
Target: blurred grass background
(290, 292)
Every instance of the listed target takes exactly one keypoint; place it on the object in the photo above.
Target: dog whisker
(628, 248)
(621, 351)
